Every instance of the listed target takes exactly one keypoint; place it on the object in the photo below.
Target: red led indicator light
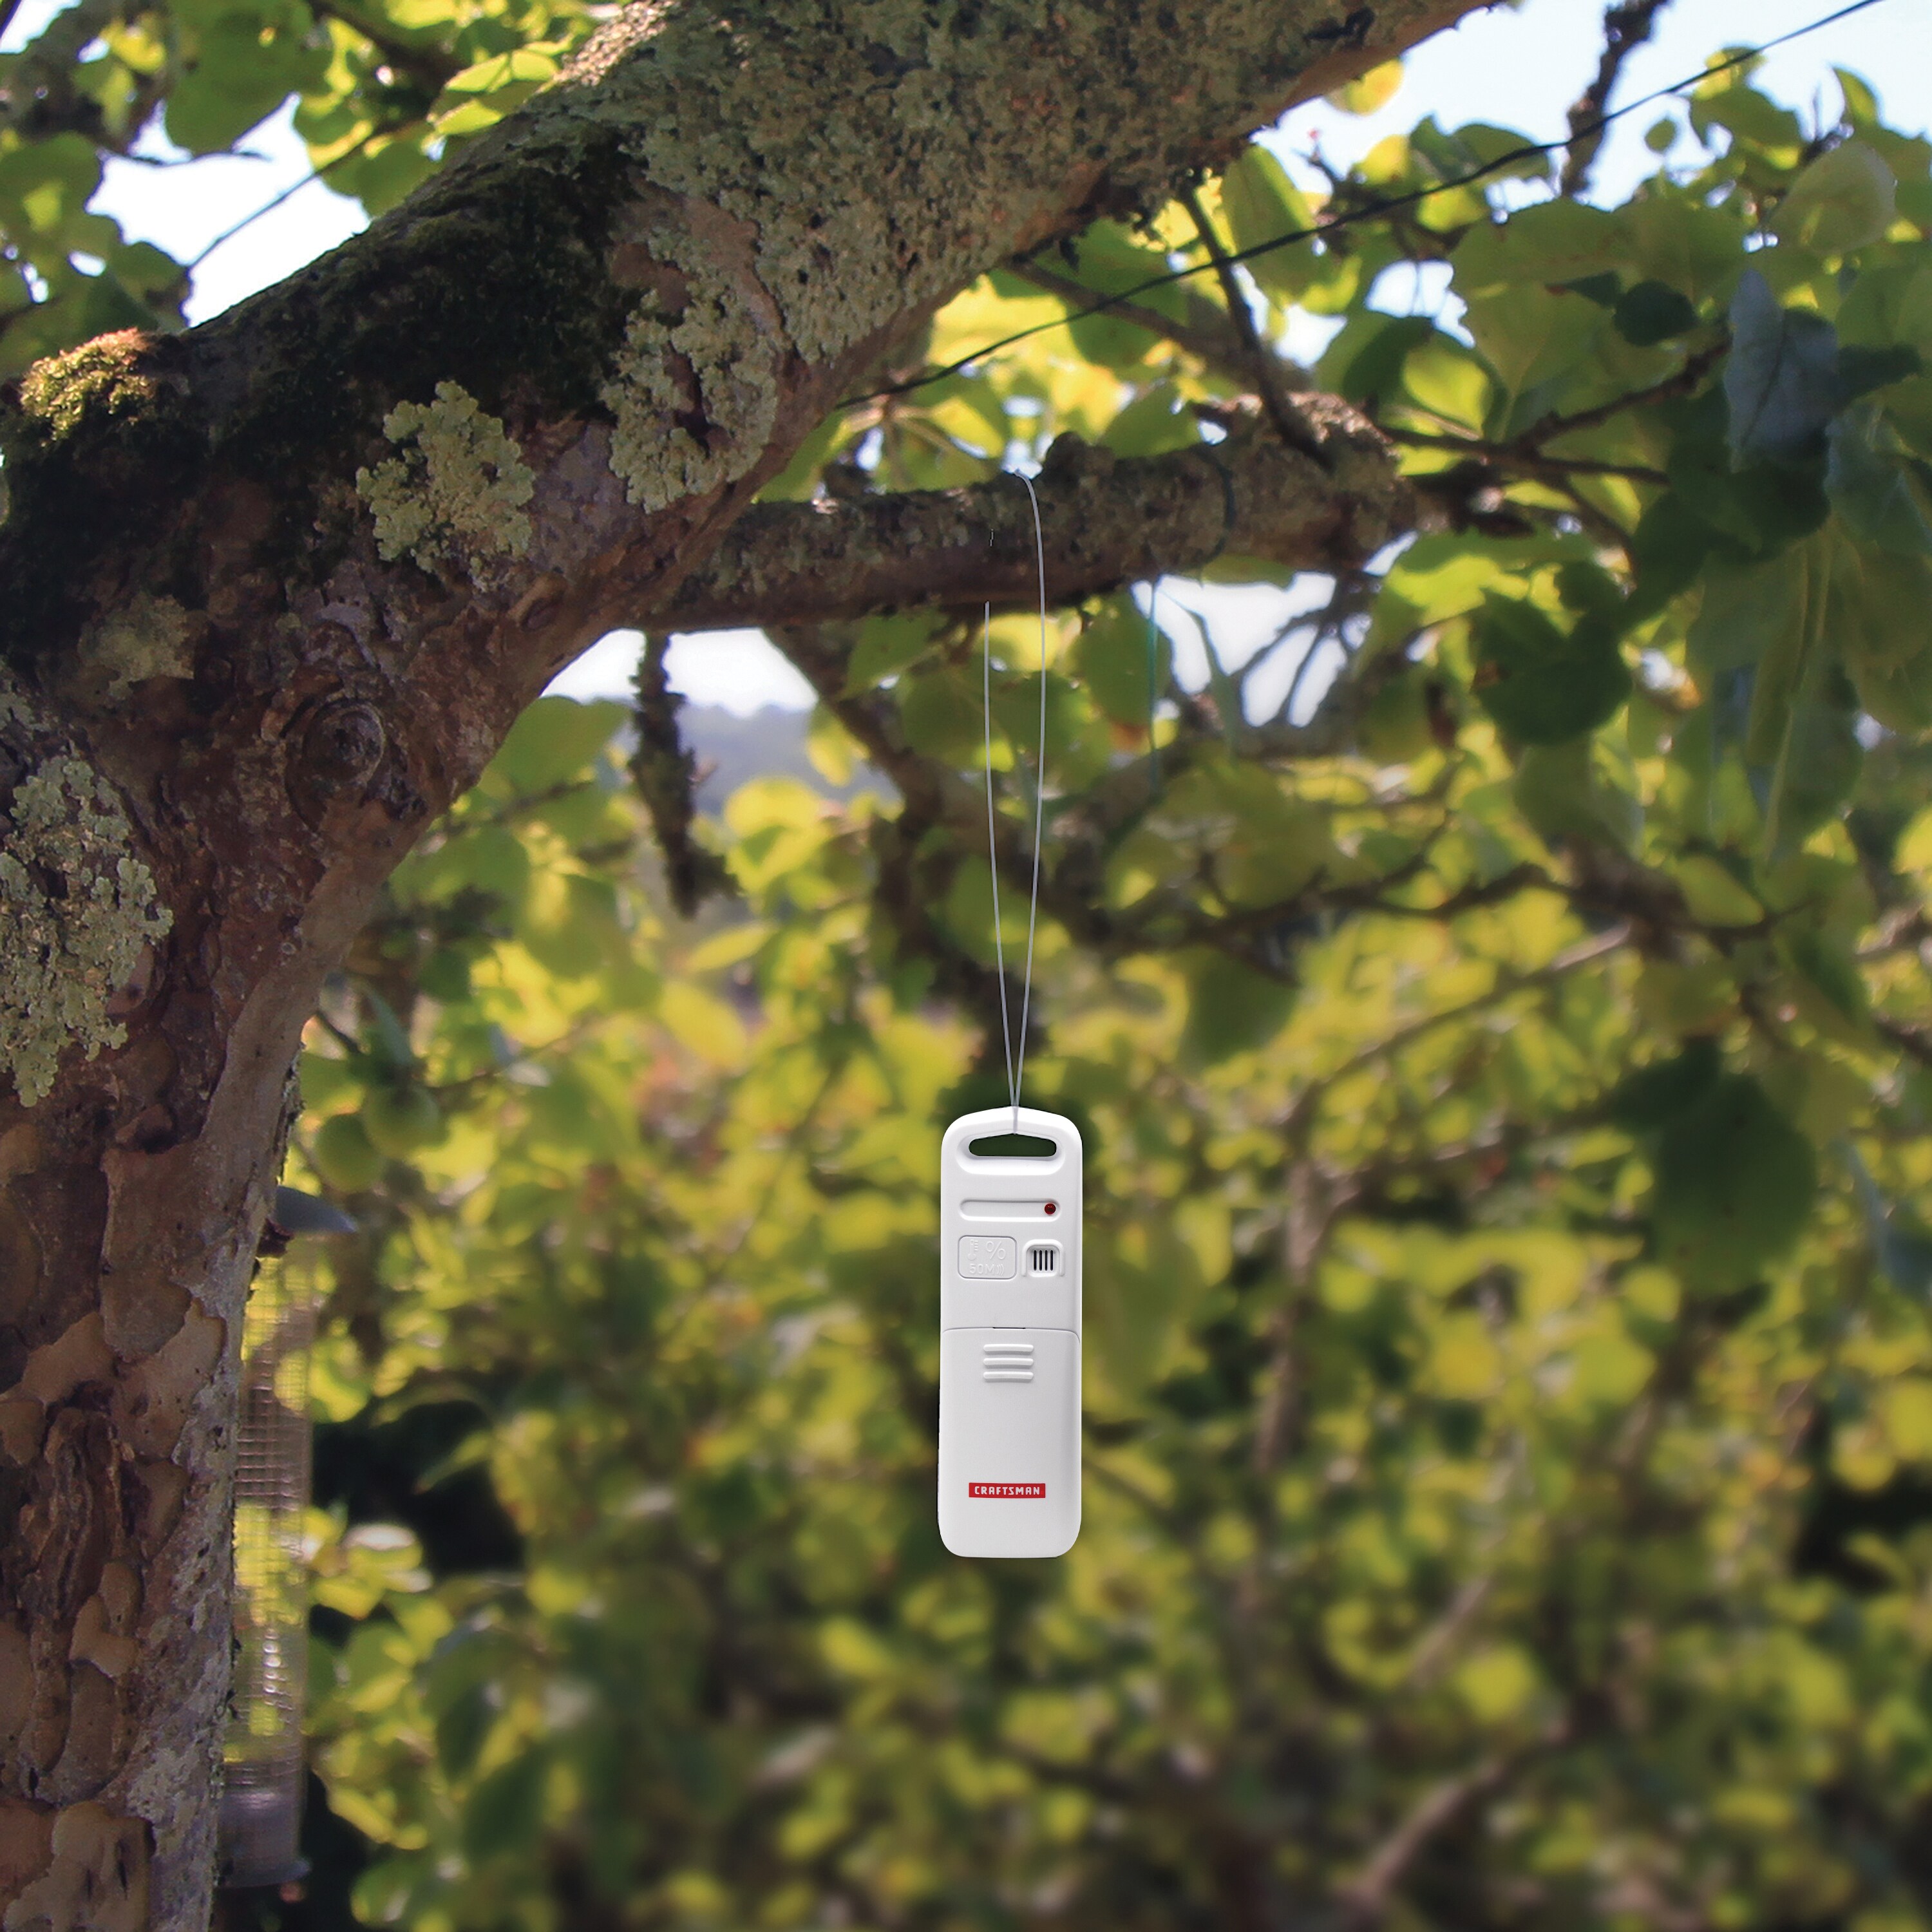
(1053, 1206)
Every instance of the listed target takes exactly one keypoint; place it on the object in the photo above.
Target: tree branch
(1366, 1899)
(1107, 521)
(666, 775)
(1626, 27)
(1289, 425)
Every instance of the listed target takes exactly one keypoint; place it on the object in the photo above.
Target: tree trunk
(274, 590)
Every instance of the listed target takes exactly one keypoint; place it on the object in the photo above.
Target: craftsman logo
(1007, 1491)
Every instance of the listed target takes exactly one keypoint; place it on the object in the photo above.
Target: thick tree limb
(1106, 520)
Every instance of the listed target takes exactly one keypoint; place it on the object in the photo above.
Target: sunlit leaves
(1262, 206)
(1843, 200)
(1125, 660)
(1369, 92)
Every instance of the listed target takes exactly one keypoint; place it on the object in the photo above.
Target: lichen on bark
(77, 909)
(454, 499)
(966, 110)
(147, 637)
(711, 361)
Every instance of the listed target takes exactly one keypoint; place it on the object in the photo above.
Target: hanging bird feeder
(262, 1765)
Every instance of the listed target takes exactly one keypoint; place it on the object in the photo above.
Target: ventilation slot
(1043, 1258)
(1007, 1361)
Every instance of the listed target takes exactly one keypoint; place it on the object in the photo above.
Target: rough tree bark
(274, 591)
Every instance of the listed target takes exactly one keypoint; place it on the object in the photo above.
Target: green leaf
(1541, 685)
(556, 740)
(400, 1119)
(1819, 756)
(505, 1811)
(1261, 203)
(940, 713)
(45, 184)
(1448, 380)
(1368, 93)
(1231, 1009)
(344, 1155)
(1605, 290)
(1875, 484)
(1111, 660)
(1846, 200)
(1861, 103)
(1879, 602)
(1782, 379)
(1769, 619)
(1862, 370)
(1556, 243)
(887, 646)
(519, 66)
(1748, 610)
(1654, 1095)
(1529, 335)
(237, 76)
(1734, 1186)
(1678, 238)
(1152, 424)
(795, 483)
(1714, 894)
(1564, 794)
(1669, 548)
(1754, 119)
(1376, 370)
(1651, 312)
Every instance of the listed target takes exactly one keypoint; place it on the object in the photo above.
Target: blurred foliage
(1509, 1379)
(383, 92)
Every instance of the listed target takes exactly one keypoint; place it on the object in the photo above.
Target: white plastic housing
(1009, 1339)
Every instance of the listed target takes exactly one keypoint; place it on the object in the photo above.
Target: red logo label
(1007, 1492)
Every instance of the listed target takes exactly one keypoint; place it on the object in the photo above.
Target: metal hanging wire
(1016, 1071)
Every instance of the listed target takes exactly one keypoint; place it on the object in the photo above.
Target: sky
(1519, 66)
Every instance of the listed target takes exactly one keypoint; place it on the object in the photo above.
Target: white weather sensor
(1010, 1339)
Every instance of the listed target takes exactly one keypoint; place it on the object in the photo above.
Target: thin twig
(228, 235)
(1290, 424)
(1367, 1898)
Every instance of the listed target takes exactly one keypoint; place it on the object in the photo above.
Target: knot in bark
(342, 748)
(337, 756)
